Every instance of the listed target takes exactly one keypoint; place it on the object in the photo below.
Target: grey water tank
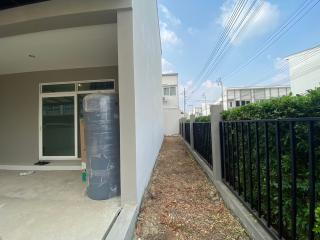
(101, 118)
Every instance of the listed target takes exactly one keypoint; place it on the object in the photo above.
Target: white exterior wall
(171, 121)
(148, 90)
(305, 74)
(205, 108)
(127, 108)
(171, 112)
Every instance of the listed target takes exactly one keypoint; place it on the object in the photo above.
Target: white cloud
(168, 37)
(209, 84)
(192, 31)
(167, 67)
(280, 79)
(168, 23)
(209, 88)
(262, 22)
(280, 63)
(173, 20)
(281, 75)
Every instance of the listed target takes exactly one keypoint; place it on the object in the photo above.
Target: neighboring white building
(236, 97)
(205, 108)
(196, 111)
(170, 99)
(304, 70)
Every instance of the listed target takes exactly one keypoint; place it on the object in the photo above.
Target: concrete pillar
(127, 108)
(184, 127)
(192, 120)
(215, 111)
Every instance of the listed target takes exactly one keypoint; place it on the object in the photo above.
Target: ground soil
(182, 203)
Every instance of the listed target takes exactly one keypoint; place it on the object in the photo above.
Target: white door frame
(53, 95)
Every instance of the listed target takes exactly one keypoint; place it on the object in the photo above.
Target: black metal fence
(202, 140)
(180, 128)
(271, 165)
(187, 132)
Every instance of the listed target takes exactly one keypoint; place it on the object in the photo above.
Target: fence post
(184, 127)
(192, 120)
(215, 111)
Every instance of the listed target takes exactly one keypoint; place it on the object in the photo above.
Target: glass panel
(166, 91)
(173, 91)
(58, 126)
(58, 88)
(109, 85)
(80, 116)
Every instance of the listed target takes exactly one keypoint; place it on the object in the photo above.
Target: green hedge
(203, 119)
(285, 107)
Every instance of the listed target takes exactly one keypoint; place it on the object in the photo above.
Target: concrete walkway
(182, 203)
(53, 206)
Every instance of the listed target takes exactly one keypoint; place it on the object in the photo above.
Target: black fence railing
(271, 165)
(180, 128)
(187, 131)
(202, 140)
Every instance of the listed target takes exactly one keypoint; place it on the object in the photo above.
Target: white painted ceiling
(90, 46)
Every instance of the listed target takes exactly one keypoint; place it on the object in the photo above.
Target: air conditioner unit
(164, 100)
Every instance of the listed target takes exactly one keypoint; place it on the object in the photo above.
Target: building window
(169, 91)
(58, 88)
(243, 103)
(166, 91)
(90, 86)
(82, 86)
(237, 103)
(173, 91)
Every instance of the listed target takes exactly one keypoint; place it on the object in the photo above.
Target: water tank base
(93, 194)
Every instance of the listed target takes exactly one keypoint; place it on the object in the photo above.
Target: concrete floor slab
(53, 206)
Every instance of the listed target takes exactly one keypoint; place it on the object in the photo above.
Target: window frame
(76, 87)
(169, 87)
(164, 91)
(175, 91)
(61, 94)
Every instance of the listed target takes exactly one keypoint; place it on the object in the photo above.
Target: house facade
(53, 53)
(236, 97)
(170, 99)
(304, 68)
(196, 111)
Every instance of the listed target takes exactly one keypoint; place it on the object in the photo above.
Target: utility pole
(205, 104)
(191, 106)
(220, 83)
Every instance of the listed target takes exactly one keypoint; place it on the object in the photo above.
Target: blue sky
(190, 30)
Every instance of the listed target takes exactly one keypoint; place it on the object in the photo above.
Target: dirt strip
(182, 203)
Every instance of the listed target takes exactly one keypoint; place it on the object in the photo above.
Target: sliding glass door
(59, 128)
(60, 113)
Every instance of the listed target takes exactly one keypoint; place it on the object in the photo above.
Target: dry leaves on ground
(181, 203)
